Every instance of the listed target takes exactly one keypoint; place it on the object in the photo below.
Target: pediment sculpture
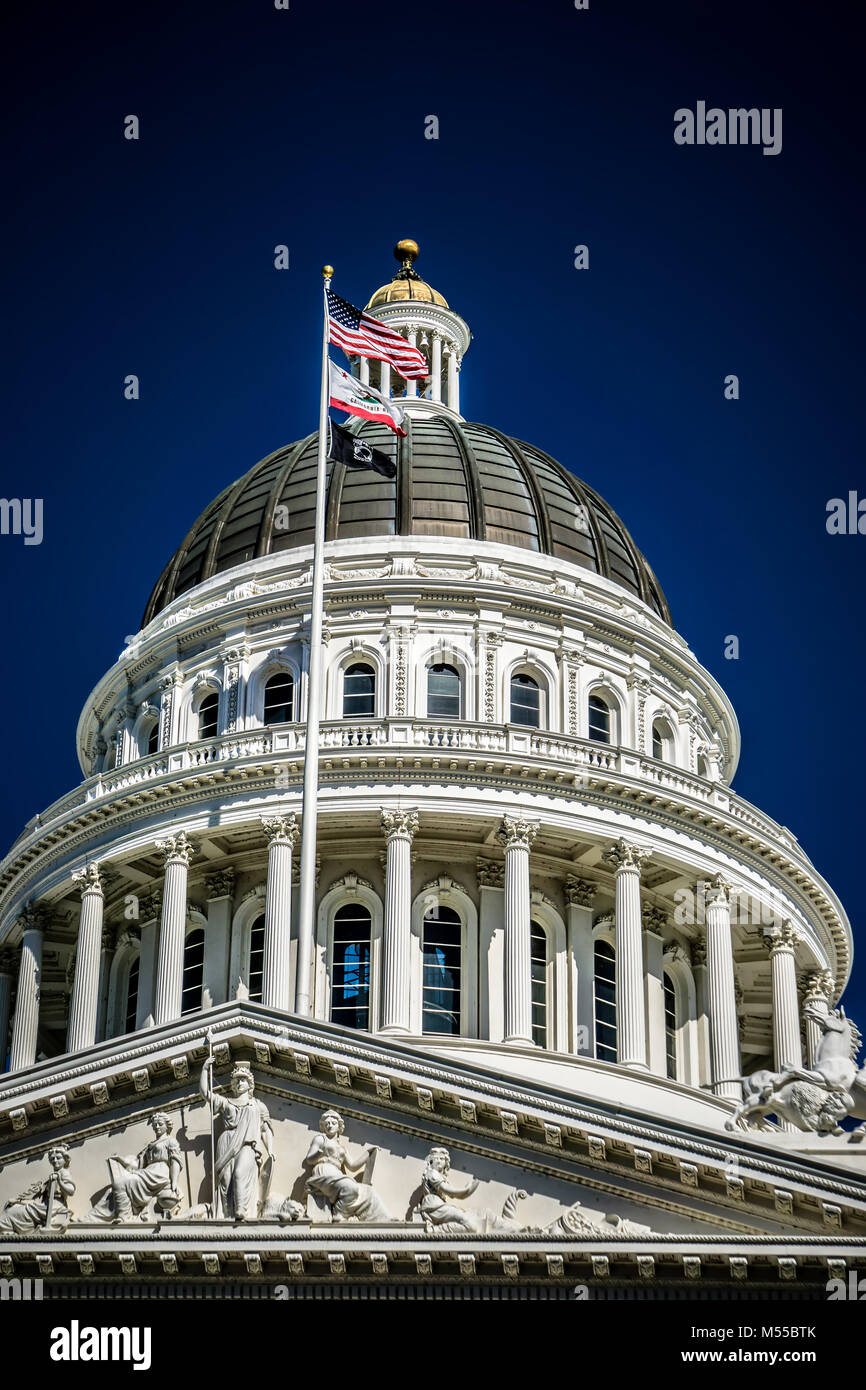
(143, 1183)
(814, 1099)
(44, 1205)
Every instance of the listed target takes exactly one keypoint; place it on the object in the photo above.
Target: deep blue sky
(261, 127)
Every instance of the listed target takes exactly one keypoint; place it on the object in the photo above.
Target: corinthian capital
(88, 879)
(33, 917)
(579, 892)
(717, 891)
(491, 873)
(517, 832)
(622, 854)
(783, 937)
(655, 919)
(220, 885)
(281, 830)
(403, 823)
(176, 849)
(818, 986)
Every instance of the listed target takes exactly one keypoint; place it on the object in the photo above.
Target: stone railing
(558, 752)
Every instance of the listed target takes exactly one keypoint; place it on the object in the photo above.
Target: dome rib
(542, 516)
(472, 475)
(266, 526)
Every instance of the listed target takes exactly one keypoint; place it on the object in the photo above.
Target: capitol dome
(531, 919)
(454, 479)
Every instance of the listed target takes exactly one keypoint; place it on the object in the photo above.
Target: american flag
(359, 334)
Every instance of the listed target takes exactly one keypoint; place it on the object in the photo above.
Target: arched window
(443, 692)
(208, 716)
(193, 971)
(132, 978)
(525, 701)
(703, 766)
(599, 719)
(670, 1026)
(538, 967)
(662, 741)
(153, 738)
(359, 691)
(350, 966)
(440, 994)
(280, 699)
(605, 1002)
(255, 974)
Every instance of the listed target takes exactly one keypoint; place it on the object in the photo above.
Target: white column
(150, 907)
(655, 921)
(436, 368)
(219, 888)
(517, 835)
(627, 858)
(282, 833)
(817, 998)
(364, 370)
(400, 827)
(453, 386)
(385, 378)
(412, 386)
(491, 928)
(721, 996)
(787, 1047)
(84, 1003)
(178, 851)
(109, 943)
(6, 972)
(580, 894)
(25, 1027)
(699, 970)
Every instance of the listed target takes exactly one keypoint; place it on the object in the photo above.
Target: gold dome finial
(406, 251)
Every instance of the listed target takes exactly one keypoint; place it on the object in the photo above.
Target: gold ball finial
(327, 271)
(406, 251)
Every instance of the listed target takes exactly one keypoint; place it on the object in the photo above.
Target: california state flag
(348, 393)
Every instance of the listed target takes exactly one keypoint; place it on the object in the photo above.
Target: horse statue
(814, 1099)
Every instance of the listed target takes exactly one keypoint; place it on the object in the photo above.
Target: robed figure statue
(243, 1155)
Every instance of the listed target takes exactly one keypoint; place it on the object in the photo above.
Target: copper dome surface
(453, 479)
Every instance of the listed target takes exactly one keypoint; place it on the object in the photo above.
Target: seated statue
(139, 1179)
(441, 1215)
(333, 1176)
(44, 1205)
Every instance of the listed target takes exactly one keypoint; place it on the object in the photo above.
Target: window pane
(350, 967)
(442, 947)
(193, 971)
(599, 720)
(671, 1027)
(208, 716)
(538, 969)
(605, 1001)
(280, 699)
(359, 691)
(256, 973)
(525, 702)
(153, 739)
(132, 995)
(443, 692)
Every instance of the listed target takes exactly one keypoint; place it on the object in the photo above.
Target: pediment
(528, 1171)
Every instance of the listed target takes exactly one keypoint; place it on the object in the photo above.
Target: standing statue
(814, 1099)
(439, 1215)
(44, 1205)
(244, 1153)
(139, 1179)
(333, 1176)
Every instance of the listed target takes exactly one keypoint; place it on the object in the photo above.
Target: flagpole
(309, 817)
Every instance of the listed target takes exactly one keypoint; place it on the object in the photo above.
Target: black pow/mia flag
(355, 452)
